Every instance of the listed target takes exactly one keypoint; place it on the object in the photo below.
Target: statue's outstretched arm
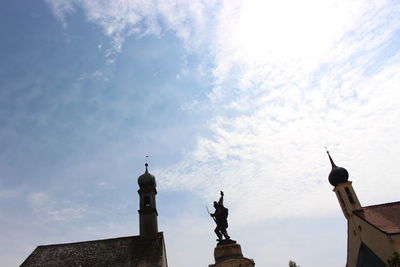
(221, 199)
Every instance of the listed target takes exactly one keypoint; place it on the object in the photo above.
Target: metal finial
(146, 164)
(330, 158)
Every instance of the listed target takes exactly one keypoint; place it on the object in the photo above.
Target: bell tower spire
(339, 178)
(147, 209)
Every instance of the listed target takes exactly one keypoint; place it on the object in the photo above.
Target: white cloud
(47, 208)
(293, 78)
(61, 8)
(290, 77)
(11, 193)
(120, 19)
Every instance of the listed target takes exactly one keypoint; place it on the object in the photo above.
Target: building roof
(385, 217)
(122, 252)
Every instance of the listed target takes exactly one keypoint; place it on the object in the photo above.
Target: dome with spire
(147, 180)
(338, 175)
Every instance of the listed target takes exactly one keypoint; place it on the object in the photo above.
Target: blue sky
(240, 96)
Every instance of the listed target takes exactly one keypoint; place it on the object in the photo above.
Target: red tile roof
(385, 217)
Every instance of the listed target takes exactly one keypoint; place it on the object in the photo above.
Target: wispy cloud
(123, 18)
(292, 79)
(289, 78)
(61, 8)
(10, 193)
(47, 208)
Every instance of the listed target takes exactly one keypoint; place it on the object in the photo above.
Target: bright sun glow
(288, 29)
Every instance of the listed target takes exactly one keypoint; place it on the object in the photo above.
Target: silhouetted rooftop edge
(121, 251)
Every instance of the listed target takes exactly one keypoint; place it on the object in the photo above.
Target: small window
(341, 199)
(354, 232)
(349, 195)
(359, 228)
(343, 204)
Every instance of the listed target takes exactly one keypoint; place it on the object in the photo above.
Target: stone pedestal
(228, 253)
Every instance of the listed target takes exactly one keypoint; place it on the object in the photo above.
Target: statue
(220, 217)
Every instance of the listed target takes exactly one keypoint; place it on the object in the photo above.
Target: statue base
(228, 253)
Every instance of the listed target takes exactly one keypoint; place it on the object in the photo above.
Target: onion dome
(338, 175)
(147, 180)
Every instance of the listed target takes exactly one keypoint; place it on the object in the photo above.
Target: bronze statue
(220, 217)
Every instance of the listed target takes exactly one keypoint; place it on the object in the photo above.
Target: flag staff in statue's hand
(220, 217)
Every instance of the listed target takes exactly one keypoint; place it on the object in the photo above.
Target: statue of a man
(220, 217)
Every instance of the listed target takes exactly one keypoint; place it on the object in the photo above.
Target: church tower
(373, 232)
(147, 210)
(348, 200)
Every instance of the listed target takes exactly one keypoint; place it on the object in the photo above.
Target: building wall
(396, 242)
(360, 231)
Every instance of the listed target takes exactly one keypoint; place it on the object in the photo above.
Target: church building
(373, 232)
(144, 250)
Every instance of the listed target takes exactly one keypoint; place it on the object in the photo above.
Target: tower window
(349, 195)
(341, 199)
(342, 203)
(147, 202)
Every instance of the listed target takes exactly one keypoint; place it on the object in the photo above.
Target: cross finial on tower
(330, 158)
(146, 164)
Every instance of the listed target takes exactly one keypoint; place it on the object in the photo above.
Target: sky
(239, 96)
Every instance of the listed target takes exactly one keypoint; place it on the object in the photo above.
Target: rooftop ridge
(96, 240)
(380, 205)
